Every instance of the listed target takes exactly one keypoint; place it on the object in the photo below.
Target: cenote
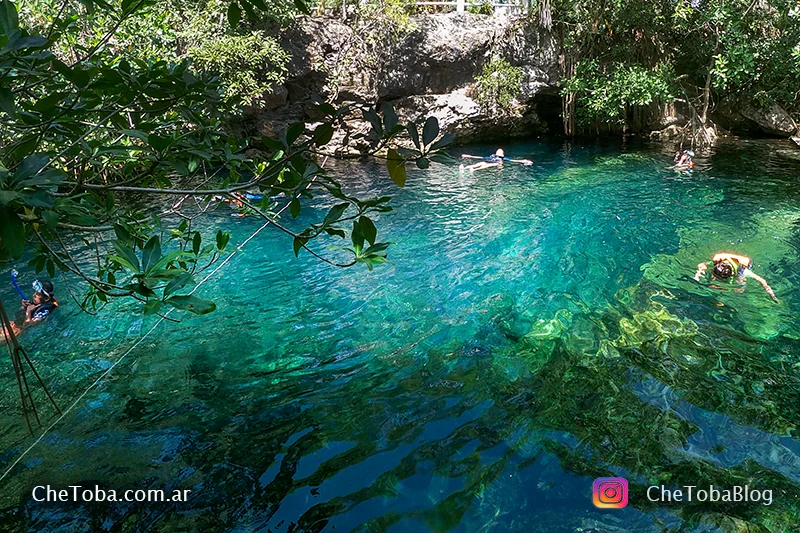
(537, 328)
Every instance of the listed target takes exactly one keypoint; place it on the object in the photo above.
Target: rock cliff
(428, 70)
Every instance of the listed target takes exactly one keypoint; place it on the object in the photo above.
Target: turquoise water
(537, 328)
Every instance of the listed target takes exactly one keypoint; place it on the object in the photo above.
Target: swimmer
(726, 265)
(36, 310)
(494, 160)
(685, 159)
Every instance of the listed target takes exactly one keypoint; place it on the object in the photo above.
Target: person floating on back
(494, 160)
(36, 310)
(727, 265)
(684, 159)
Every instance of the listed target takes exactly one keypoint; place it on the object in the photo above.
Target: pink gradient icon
(610, 492)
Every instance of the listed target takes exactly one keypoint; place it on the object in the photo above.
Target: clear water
(538, 328)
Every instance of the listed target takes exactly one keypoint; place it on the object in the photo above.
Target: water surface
(537, 328)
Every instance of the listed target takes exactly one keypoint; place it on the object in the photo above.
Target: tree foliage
(706, 49)
(498, 84)
(108, 161)
(248, 60)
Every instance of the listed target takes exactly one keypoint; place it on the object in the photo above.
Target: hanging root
(17, 353)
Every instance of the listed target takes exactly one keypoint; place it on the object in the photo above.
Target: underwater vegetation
(537, 328)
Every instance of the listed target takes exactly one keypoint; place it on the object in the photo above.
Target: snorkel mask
(37, 287)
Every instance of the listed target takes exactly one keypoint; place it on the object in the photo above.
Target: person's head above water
(500, 153)
(723, 270)
(44, 291)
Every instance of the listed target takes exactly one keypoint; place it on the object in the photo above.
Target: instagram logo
(610, 492)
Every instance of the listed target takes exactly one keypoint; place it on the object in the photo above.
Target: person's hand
(26, 303)
(464, 156)
(772, 295)
(701, 270)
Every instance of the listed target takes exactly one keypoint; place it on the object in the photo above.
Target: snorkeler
(726, 265)
(494, 160)
(36, 310)
(685, 159)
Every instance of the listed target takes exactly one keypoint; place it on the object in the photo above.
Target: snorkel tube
(14, 275)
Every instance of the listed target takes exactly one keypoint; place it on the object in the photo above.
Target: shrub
(498, 84)
(247, 65)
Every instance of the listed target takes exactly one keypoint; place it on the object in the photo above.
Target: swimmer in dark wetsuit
(33, 312)
(726, 265)
(494, 160)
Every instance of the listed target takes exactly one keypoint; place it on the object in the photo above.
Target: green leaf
(191, 303)
(389, 117)
(158, 142)
(9, 22)
(122, 233)
(446, 139)
(441, 157)
(357, 237)
(377, 248)
(126, 257)
(51, 268)
(151, 253)
(169, 258)
(141, 289)
(302, 7)
(336, 231)
(372, 118)
(298, 244)
(152, 307)
(222, 239)
(294, 131)
(177, 283)
(397, 167)
(136, 134)
(335, 214)
(422, 163)
(430, 130)
(48, 102)
(50, 218)
(272, 143)
(368, 229)
(294, 208)
(413, 132)
(7, 102)
(131, 5)
(6, 197)
(323, 134)
(234, 14)
(196, 241)
(30, 166)
(12, 233)
(24, 43)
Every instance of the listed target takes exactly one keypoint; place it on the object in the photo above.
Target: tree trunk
(706, 96)
(545, 15)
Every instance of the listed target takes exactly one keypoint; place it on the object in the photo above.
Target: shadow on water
(539, 328)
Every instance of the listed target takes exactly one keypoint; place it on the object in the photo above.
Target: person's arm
(750, 274)
(741, 259)
(525, 162)
(701, 270)
(471, 156)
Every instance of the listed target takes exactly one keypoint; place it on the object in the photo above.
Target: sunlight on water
(538, 327)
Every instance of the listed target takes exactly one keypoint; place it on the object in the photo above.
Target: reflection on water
(537, 328)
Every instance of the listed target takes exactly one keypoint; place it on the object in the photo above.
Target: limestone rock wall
(428, 70)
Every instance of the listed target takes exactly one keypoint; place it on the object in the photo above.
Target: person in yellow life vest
(726, 265)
